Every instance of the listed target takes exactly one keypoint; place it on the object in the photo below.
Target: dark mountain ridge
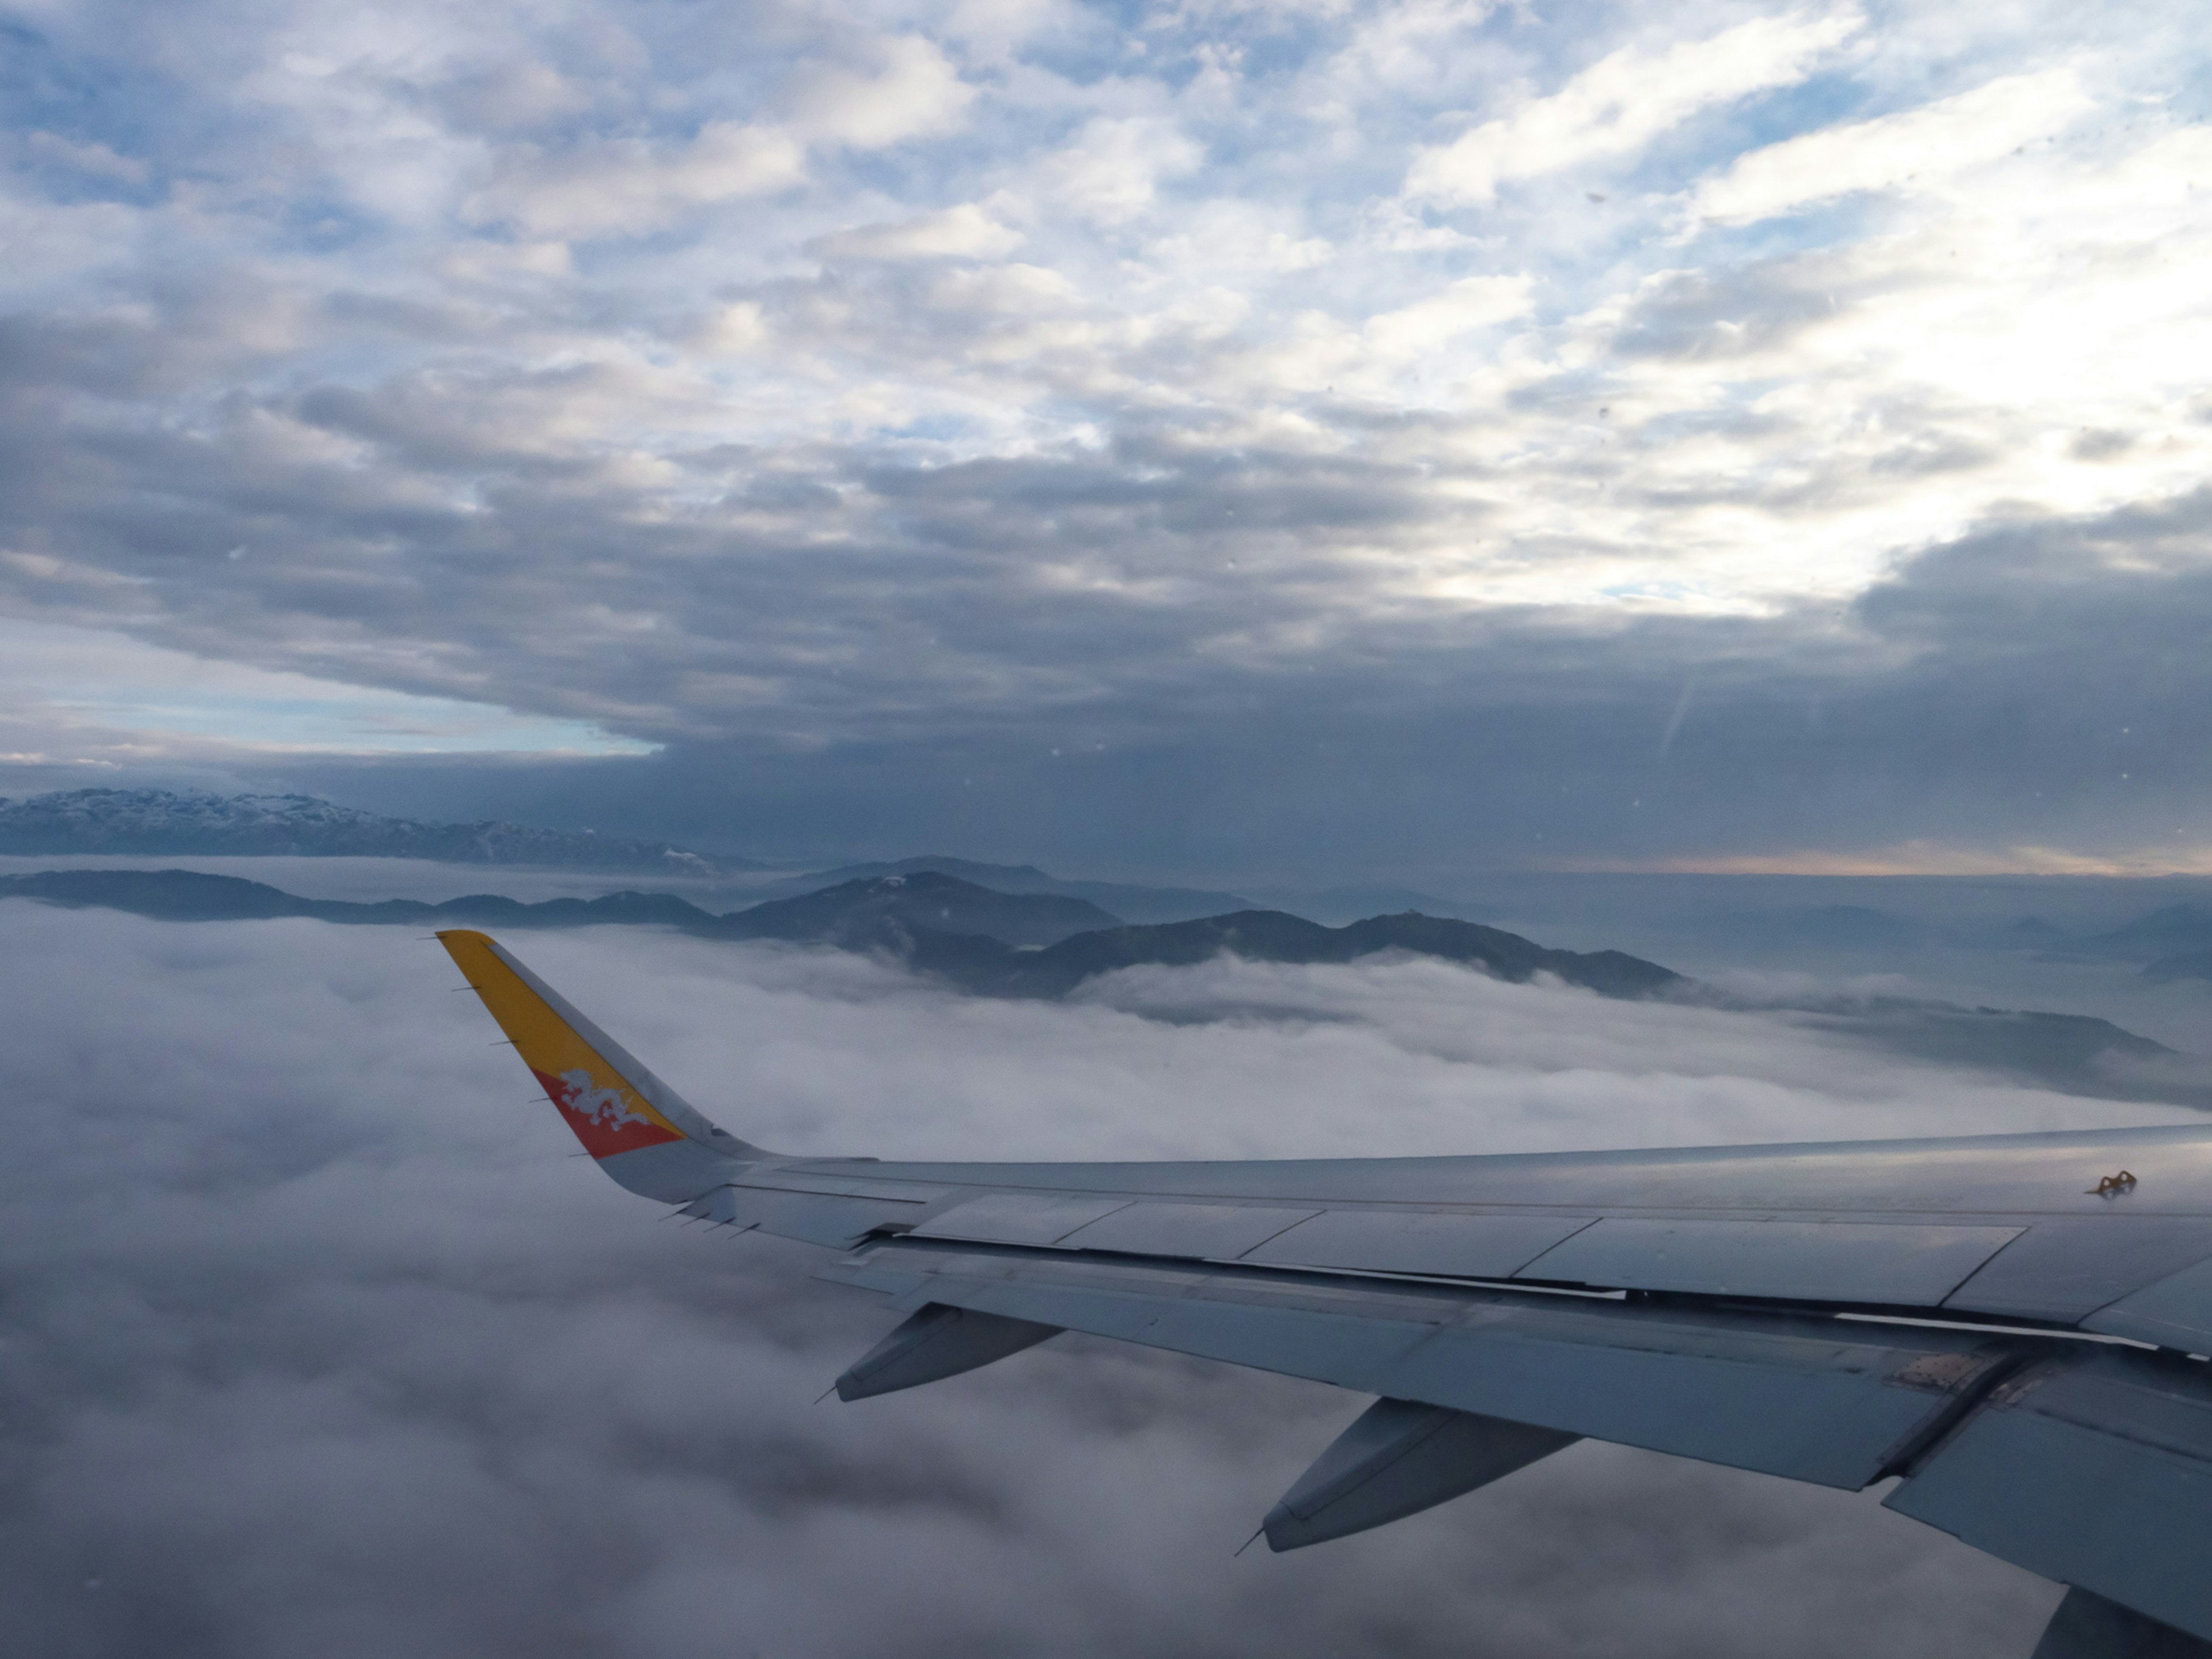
(929, 921)
(2079, 1052)
(873, 911)
(1278, 936)
(2189, 964)
(908, 920)
(2173, 930)
(1126, 901)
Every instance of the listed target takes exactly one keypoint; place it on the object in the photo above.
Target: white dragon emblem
(596, 1105)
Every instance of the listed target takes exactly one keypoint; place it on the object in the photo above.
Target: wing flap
(2087, 1626)
(1814, 1398)
(2093, 1470)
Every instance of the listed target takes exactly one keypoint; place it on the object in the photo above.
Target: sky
(319, 1339)
(1198, 438)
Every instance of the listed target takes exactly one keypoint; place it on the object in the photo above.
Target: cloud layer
(790, 385)
(319, 1339)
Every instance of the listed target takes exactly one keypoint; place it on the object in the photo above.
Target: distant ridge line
(1126, 900)
(937, 926)
(177, 823)
(1043, 945)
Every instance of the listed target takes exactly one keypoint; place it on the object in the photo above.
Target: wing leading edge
(1738, 1305)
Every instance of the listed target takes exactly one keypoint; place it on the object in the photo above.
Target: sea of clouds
(319, 1339)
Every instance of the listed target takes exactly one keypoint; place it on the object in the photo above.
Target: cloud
(732, 329)
(110, 698)
(1931, 145)
(1929, 857)
(1620, 104)
(1427, 324)
(94, 160)
(965, 232)
(623, 186)
(605, 364)
(1112, 170)
(517, 95)
(321, 1341)
(911, 91)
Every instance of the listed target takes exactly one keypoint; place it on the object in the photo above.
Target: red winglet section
(608, 1114)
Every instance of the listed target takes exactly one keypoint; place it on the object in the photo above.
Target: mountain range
(171, 823)
(1017, 944)
(1128, 902)
(2172, 943)
(182, 824)
(1043, 945)
(1276, 936)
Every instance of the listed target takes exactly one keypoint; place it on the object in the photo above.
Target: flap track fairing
(1399, 1458)
(938, 1341)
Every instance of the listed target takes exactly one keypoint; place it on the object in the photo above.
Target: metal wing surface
(1942, 1310)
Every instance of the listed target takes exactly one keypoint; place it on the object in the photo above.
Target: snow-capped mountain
(162, 822)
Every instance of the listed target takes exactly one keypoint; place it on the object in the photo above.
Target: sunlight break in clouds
(1931, 145)
(1618, 106)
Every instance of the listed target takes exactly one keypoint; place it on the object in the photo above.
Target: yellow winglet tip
(606, 1109)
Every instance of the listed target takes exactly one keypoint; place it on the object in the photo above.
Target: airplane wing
(2011, 1327)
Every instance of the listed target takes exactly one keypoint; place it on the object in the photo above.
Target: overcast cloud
(318, 1339)
(1309, 434)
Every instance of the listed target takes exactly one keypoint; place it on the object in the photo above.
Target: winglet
(610, 1100)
